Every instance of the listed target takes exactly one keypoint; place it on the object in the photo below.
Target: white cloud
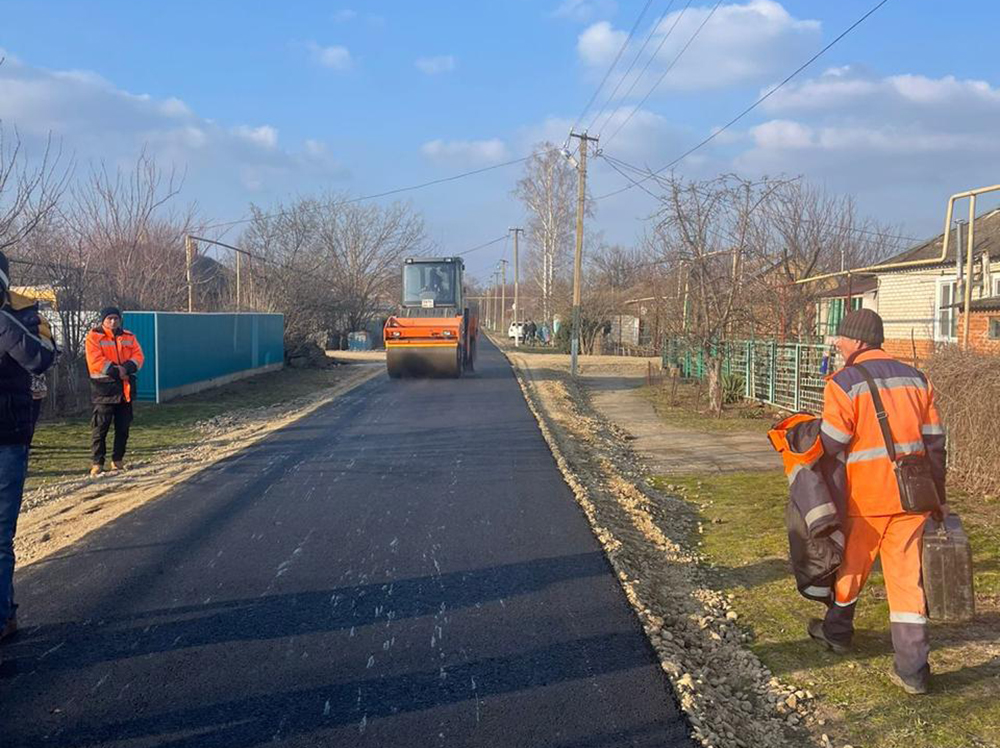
(740, 43)
(880, 137)
(436, 65)
(345, 15)
(585, 10)
(466, 152)
(335, 57)
(96, 121)
(264, 136)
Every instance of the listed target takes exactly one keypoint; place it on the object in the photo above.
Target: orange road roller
(436, 330)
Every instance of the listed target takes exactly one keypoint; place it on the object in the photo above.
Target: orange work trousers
(897, 539)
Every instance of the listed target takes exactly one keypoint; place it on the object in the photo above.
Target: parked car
(516, 331)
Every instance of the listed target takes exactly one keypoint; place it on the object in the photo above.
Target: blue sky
(261, 101)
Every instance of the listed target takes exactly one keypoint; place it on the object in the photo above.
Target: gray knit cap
(864, 325)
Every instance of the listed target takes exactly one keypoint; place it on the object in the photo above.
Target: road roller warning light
(436, 330)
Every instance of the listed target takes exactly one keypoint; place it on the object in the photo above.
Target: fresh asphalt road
(405, 567)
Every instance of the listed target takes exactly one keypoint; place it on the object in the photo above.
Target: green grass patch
(744, 539)
(62, 447)
(687, 407)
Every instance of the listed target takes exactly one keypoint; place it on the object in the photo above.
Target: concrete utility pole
(503, 297)
(581, 204)
(517, 280)
(189, 261)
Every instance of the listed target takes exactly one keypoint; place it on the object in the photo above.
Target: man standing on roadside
(876, 523)
(113, 358)
(23, 353)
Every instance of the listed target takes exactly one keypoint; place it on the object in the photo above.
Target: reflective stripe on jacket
(851, 429)
(814, 512)
(105, 352)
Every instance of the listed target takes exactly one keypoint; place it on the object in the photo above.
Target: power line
(386, 193)
(753, 106)
(663, 76)
(617, 164)
(614, 62)
(635, 59)
(482, 246)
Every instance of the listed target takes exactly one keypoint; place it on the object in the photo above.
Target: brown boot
(117, 465)
(96, 470)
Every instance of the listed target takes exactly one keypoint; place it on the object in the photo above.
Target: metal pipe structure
(972, 195)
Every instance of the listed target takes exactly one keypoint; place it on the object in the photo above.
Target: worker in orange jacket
(113, 358)
(875, 522)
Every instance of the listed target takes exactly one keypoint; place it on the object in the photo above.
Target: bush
(733, 388)
(967, 387)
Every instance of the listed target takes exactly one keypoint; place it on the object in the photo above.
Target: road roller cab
(436, 330)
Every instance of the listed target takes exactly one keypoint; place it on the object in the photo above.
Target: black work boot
(816, 631)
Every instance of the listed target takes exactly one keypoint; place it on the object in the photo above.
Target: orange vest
(105, 351)
(850, 423)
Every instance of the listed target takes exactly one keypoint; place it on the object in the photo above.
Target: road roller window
(430, 284)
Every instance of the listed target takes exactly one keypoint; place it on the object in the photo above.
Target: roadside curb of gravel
(56, 515)
(729, 697)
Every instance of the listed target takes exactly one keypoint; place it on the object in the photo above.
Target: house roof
(987, 238)
(989, 304)
(860, 284)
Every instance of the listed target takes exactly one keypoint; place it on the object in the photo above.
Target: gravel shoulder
(651, 540)
(59, 513)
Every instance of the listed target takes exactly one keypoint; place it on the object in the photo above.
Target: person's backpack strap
(883, 418)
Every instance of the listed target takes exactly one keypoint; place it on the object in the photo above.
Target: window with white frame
(945, 312)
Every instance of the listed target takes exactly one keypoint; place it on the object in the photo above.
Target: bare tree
(122, 223)
(548, 191)
(365, 246)
(28, 191)
(327, 264)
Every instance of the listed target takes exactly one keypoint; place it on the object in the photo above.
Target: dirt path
(58, 514)
(730, 698)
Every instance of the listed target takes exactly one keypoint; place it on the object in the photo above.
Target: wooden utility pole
(503, 297)
(517, 280)
(189, 258)
(238, 281)
(581, 204)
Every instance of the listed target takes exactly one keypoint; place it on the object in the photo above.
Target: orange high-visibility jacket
(105, 352)
(850, 429)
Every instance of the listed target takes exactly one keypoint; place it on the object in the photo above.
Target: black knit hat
(109, 310)
(864, 325)
(4, 272)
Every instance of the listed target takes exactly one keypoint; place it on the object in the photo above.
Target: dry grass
(968, 394)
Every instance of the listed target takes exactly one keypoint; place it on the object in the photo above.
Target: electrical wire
(635, 59)
(616, 163)
(484, 245)
(753, 106)
(666, 72)
(614, 62)
(387, 193)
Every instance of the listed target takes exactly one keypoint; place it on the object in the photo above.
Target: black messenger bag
(918, 492)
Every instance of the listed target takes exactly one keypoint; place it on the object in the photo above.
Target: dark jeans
(13, 466)
(120, 415)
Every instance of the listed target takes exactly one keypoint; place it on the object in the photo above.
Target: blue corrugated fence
(186, 353)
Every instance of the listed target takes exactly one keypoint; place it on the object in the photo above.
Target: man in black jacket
(22, 353)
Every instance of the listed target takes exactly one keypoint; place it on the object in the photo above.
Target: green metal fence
(785, 375)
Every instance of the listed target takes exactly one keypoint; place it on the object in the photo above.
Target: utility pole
(238, 281)
(517, 280)
(503, 297)
(581, 204)
(189, 259)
